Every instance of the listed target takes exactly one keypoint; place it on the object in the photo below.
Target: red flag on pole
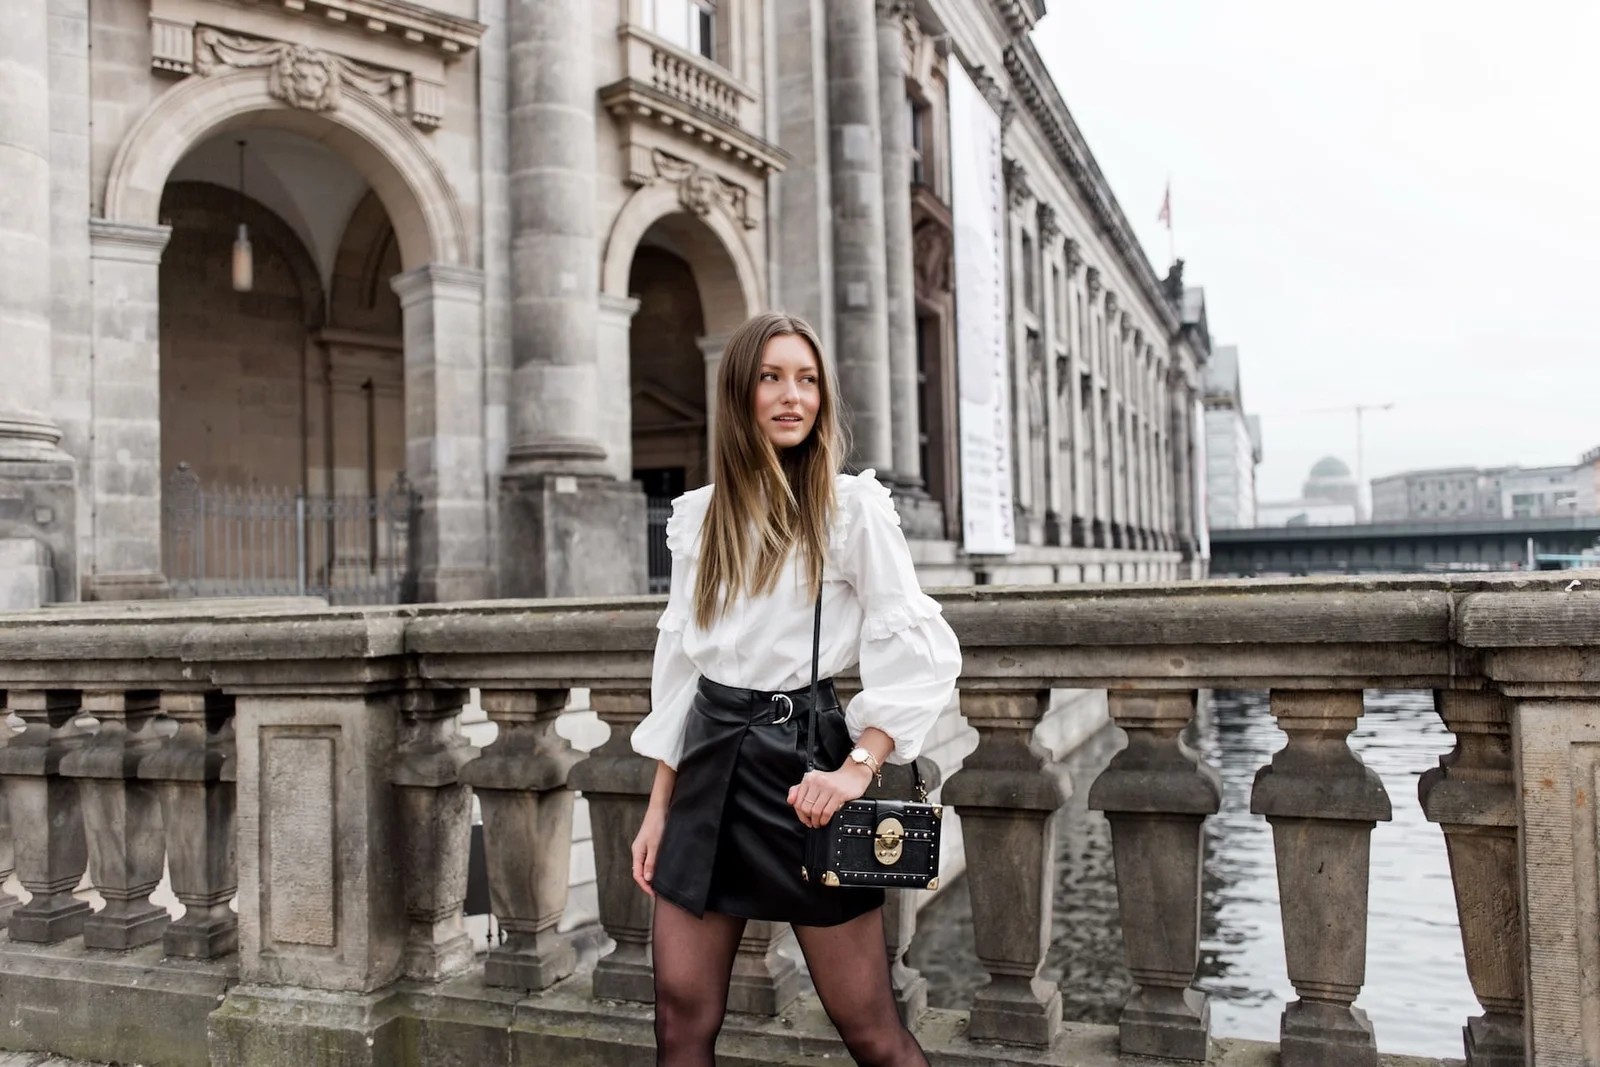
(1165, 215)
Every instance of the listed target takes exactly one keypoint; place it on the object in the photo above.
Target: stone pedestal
(1156, 794)
(1008, 796)
(435, 821)
(1472, 794)
(616, 782)
(122, 816)
(46, 821)
(1322, 802)
(763, 982)
(521, 783)
(197, 814)
(562, 535)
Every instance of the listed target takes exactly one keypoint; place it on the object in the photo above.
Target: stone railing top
(1425, 632)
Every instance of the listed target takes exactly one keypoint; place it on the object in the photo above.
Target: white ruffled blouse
(874, 614)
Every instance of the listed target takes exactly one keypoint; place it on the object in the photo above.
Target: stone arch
(364, 131)
(359, 293)
(712, 244)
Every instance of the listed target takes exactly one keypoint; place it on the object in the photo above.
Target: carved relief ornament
(700, 190)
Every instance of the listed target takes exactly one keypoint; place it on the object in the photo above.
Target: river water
(1416, 992)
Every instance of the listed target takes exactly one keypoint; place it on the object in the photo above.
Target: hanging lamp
(244, 273)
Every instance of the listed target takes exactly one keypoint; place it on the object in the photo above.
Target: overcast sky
(1385, 200)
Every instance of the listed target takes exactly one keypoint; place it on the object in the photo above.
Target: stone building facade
(497, 245)
(1233, 445)
(1465, 494)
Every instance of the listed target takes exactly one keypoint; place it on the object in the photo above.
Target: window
(917, 115)
(689, 24)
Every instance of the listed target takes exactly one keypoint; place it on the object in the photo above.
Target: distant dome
(1330, 467)
(1330, 480)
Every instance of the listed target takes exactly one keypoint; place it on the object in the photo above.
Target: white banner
(978, 193)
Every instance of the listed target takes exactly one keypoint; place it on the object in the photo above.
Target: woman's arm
(647, 842)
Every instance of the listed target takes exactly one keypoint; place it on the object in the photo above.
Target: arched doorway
(282, 405)
(357, 353)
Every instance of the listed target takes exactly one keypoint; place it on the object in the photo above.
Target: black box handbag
(886, 844)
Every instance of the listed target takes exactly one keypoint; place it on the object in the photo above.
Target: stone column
(1157, 793)
(1081, 433)
(1183, 484)
(435, 821)
(125, 464)
(902, 286)
(1472, 794)
(521, 782)
(801, 198)
(1116, 423)
(615, 364)
(1099, 482)
(1007, 795)
(616, 781)
(46, 820)
(860, 284)
(1322, 802)
(122, 817)
(197, 816)
(568, 526)
(443, 323)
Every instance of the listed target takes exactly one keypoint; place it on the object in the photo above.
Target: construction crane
(1360, 411)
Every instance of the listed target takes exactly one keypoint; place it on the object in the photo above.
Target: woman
(723, 835)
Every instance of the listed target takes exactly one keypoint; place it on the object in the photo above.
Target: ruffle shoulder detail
(888, 621)
(856, 495)
(688, 516)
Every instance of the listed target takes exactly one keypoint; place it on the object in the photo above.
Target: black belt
(769, 707)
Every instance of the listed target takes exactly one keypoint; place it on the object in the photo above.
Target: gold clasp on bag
(890, 841)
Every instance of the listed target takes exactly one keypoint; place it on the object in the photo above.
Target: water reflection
(1416, 992)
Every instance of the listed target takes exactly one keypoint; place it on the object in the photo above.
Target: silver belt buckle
(788, 708)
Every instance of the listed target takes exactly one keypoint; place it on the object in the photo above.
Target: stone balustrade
(689, 79)
(301, 777)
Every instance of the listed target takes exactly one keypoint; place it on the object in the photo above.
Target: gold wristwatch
(862, 755)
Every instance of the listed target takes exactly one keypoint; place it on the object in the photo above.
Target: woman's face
(788, 391)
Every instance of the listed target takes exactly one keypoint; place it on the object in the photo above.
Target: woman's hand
(646, 845)
(821, 793)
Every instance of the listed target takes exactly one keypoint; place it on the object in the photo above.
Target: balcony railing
(689, 79)
(302, 779)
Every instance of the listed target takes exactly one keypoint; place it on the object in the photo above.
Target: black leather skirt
(732, 843)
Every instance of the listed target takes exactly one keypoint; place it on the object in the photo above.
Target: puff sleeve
(910, 658)
(673, 678)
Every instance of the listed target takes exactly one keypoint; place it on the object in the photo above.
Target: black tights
(849, 966)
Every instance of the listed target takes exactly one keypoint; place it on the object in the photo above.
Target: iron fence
(657, 509)
(273, 541)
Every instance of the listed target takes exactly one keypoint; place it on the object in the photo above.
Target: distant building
(1233, 445)
(1459, 494)
(1328, 498)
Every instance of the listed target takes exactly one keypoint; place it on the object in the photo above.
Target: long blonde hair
(766, 503)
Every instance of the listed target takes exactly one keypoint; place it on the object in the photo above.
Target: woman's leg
(693, 962)
(850, 968)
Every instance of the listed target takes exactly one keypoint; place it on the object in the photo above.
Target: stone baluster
(197, 814)
(1008, 794)
(8, 851)
(435, 813)
(521, 783)
(616, 782)
(46, 821)
(1156, 793)
(122, 816)
(764, 981)
(1472, 795)
(1323, 803)
(899, 909)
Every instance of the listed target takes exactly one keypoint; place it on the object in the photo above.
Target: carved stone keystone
(122, 816)
(1472, 795)
(616, 781)
(1322, 802)
(46, 821)
(197, 813)
(1156, 794)
(1008, 795)
(521, 782)
(435, 824)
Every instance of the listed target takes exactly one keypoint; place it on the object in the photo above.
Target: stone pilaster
(521, 783)
(1323, 803)
(46, 820)
(122, 817)
(1156, 794)
(711, 348)
(125, 462)
(1008, 795)
(443, 324)
(613, 338)
(860, 283)
(901, 281)
(616, 781)
(1472, 795)
(197, 816)
(435, 820)
(801, 198)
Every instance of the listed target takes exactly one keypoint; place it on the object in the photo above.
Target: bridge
(1407, 547)
(301, 776)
